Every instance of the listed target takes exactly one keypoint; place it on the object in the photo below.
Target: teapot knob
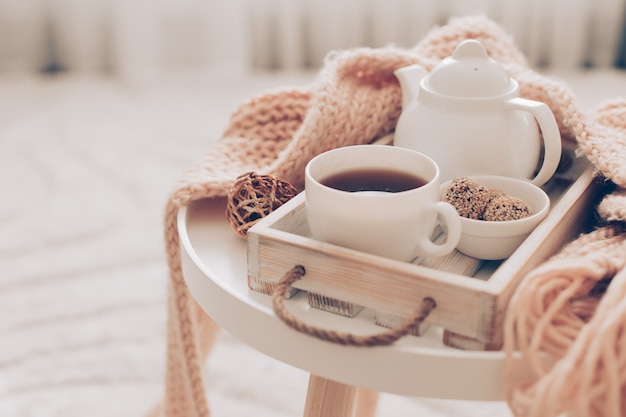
(470, 49)
(469, 72)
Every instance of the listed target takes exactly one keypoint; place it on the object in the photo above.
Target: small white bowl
(493, 240)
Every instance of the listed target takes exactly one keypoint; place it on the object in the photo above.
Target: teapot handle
(550, 132)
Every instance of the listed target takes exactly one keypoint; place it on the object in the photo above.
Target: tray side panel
(374, 282)
(571, 216)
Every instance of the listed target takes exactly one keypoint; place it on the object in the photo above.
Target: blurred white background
(140, 39)
(96, 127)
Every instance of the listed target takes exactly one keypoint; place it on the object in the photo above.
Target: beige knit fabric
(355, 99)
(564, 308)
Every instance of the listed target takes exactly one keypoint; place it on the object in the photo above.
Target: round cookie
(505, 208)
(469, 197)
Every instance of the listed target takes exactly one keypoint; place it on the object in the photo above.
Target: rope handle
(342, 338)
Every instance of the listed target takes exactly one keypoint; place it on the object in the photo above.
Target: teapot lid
(469, 72)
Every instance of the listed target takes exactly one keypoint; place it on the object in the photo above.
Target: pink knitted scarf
(356, 99)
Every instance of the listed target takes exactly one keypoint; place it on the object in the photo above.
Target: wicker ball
(253, 197)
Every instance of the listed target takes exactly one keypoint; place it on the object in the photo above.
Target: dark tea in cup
(374, 179)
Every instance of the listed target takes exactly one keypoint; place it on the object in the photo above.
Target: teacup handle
(550, 132)
(449, 219)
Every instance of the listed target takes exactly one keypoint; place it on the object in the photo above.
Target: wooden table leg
(366, 402)
(327, 398)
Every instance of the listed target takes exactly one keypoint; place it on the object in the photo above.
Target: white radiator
(139, 39)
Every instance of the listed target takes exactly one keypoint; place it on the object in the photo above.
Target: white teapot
(467, 115)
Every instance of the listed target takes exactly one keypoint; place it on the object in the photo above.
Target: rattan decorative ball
(253, 197)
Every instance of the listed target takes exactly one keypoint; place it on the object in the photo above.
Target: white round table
(215, 270)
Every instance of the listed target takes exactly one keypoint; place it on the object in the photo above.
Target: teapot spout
(409, 78)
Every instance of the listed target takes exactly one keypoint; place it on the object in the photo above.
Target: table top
(215, 270)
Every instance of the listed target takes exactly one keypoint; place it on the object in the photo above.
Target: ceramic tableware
(468, 116)
(379, 199)
(494, 240)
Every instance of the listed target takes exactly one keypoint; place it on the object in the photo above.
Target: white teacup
(393, 224)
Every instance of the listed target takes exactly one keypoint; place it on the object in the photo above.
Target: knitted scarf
(356, 99)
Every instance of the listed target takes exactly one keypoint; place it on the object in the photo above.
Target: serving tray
(471, 294)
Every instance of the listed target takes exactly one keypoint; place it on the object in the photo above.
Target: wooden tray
(471, 294)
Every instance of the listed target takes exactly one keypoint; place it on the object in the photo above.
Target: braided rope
(334, 336)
